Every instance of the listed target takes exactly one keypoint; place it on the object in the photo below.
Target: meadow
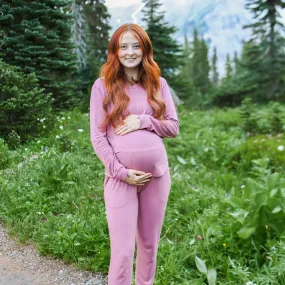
(225, 218)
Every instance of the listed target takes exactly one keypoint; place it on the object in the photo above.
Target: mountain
(219, 21)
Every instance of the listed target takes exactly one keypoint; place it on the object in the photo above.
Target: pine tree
(236, 62)
(91, 29)
(167, 51)
(215, 74)
(267, 55)
(229, 69)
(38, 39)
(184, 74)
(200, 65)
(97, 18)
(79, 37)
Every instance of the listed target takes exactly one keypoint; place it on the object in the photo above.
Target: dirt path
(23, 265)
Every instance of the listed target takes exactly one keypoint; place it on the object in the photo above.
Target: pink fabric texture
(132, 215)
(147, 140)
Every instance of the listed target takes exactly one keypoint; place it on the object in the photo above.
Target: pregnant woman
(131, 111)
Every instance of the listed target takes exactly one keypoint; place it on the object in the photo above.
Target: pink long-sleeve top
(142, 149)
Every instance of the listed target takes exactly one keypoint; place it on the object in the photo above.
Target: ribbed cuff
(144, 121)
(122, 174)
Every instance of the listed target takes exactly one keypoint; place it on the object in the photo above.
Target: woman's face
(130, 53)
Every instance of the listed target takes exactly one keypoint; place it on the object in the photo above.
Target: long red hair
(115, 78)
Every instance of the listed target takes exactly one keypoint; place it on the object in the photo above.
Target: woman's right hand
(136, 177)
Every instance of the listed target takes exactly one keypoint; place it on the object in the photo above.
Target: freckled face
(130, 53)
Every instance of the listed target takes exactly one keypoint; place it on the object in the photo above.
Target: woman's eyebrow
(127, 43)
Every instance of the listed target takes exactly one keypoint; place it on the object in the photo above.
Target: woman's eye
(137, 46)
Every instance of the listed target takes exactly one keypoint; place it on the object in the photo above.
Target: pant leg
(152, 205)
(122, 210)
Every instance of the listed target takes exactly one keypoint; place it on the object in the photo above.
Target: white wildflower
(38, 141)
(57, 137)
(20, 165)
(61, 127)
(242, 186)
(280, 147)
(34, 157)
(63, 118)
(80, 130)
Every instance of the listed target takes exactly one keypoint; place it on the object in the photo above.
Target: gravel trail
(23, 265)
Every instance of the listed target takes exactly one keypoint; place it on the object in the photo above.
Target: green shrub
(258, 120)
(4, 154)
(25, 108)
(259, 147)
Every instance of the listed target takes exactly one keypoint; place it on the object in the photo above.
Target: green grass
(56, 201)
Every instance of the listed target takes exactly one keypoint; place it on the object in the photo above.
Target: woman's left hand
(131, 123)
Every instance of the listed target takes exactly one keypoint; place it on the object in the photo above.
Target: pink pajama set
(134, 217)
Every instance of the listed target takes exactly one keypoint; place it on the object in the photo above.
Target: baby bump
(154, 161)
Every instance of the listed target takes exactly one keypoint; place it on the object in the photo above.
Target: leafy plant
(210, 273)
(261, 204)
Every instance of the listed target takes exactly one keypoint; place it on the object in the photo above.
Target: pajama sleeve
(169, 127)
(100, 143)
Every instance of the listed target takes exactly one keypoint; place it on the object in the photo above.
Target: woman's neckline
(136, 85)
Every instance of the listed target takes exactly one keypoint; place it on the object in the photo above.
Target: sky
(120, 3)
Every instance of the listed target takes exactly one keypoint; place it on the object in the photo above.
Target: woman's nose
(130, 50)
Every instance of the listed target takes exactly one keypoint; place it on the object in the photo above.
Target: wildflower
(242, 186)
(80, 130)
(279, 135)
(255, 141)
(248, 133)
(225, 245)
(250, 283)
(263, 140)
(206, 149)
(69, 118)
(273, 247)
(38, 141)
(26, 149)
(266, 227)
(57, 137)
(61, 127)
(63, 118)
(199, 237)
(44, 127)
(280, 147)
(41, 120)
(20, 165)
(35, 156)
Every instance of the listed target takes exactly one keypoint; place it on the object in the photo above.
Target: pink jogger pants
(135, 217)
